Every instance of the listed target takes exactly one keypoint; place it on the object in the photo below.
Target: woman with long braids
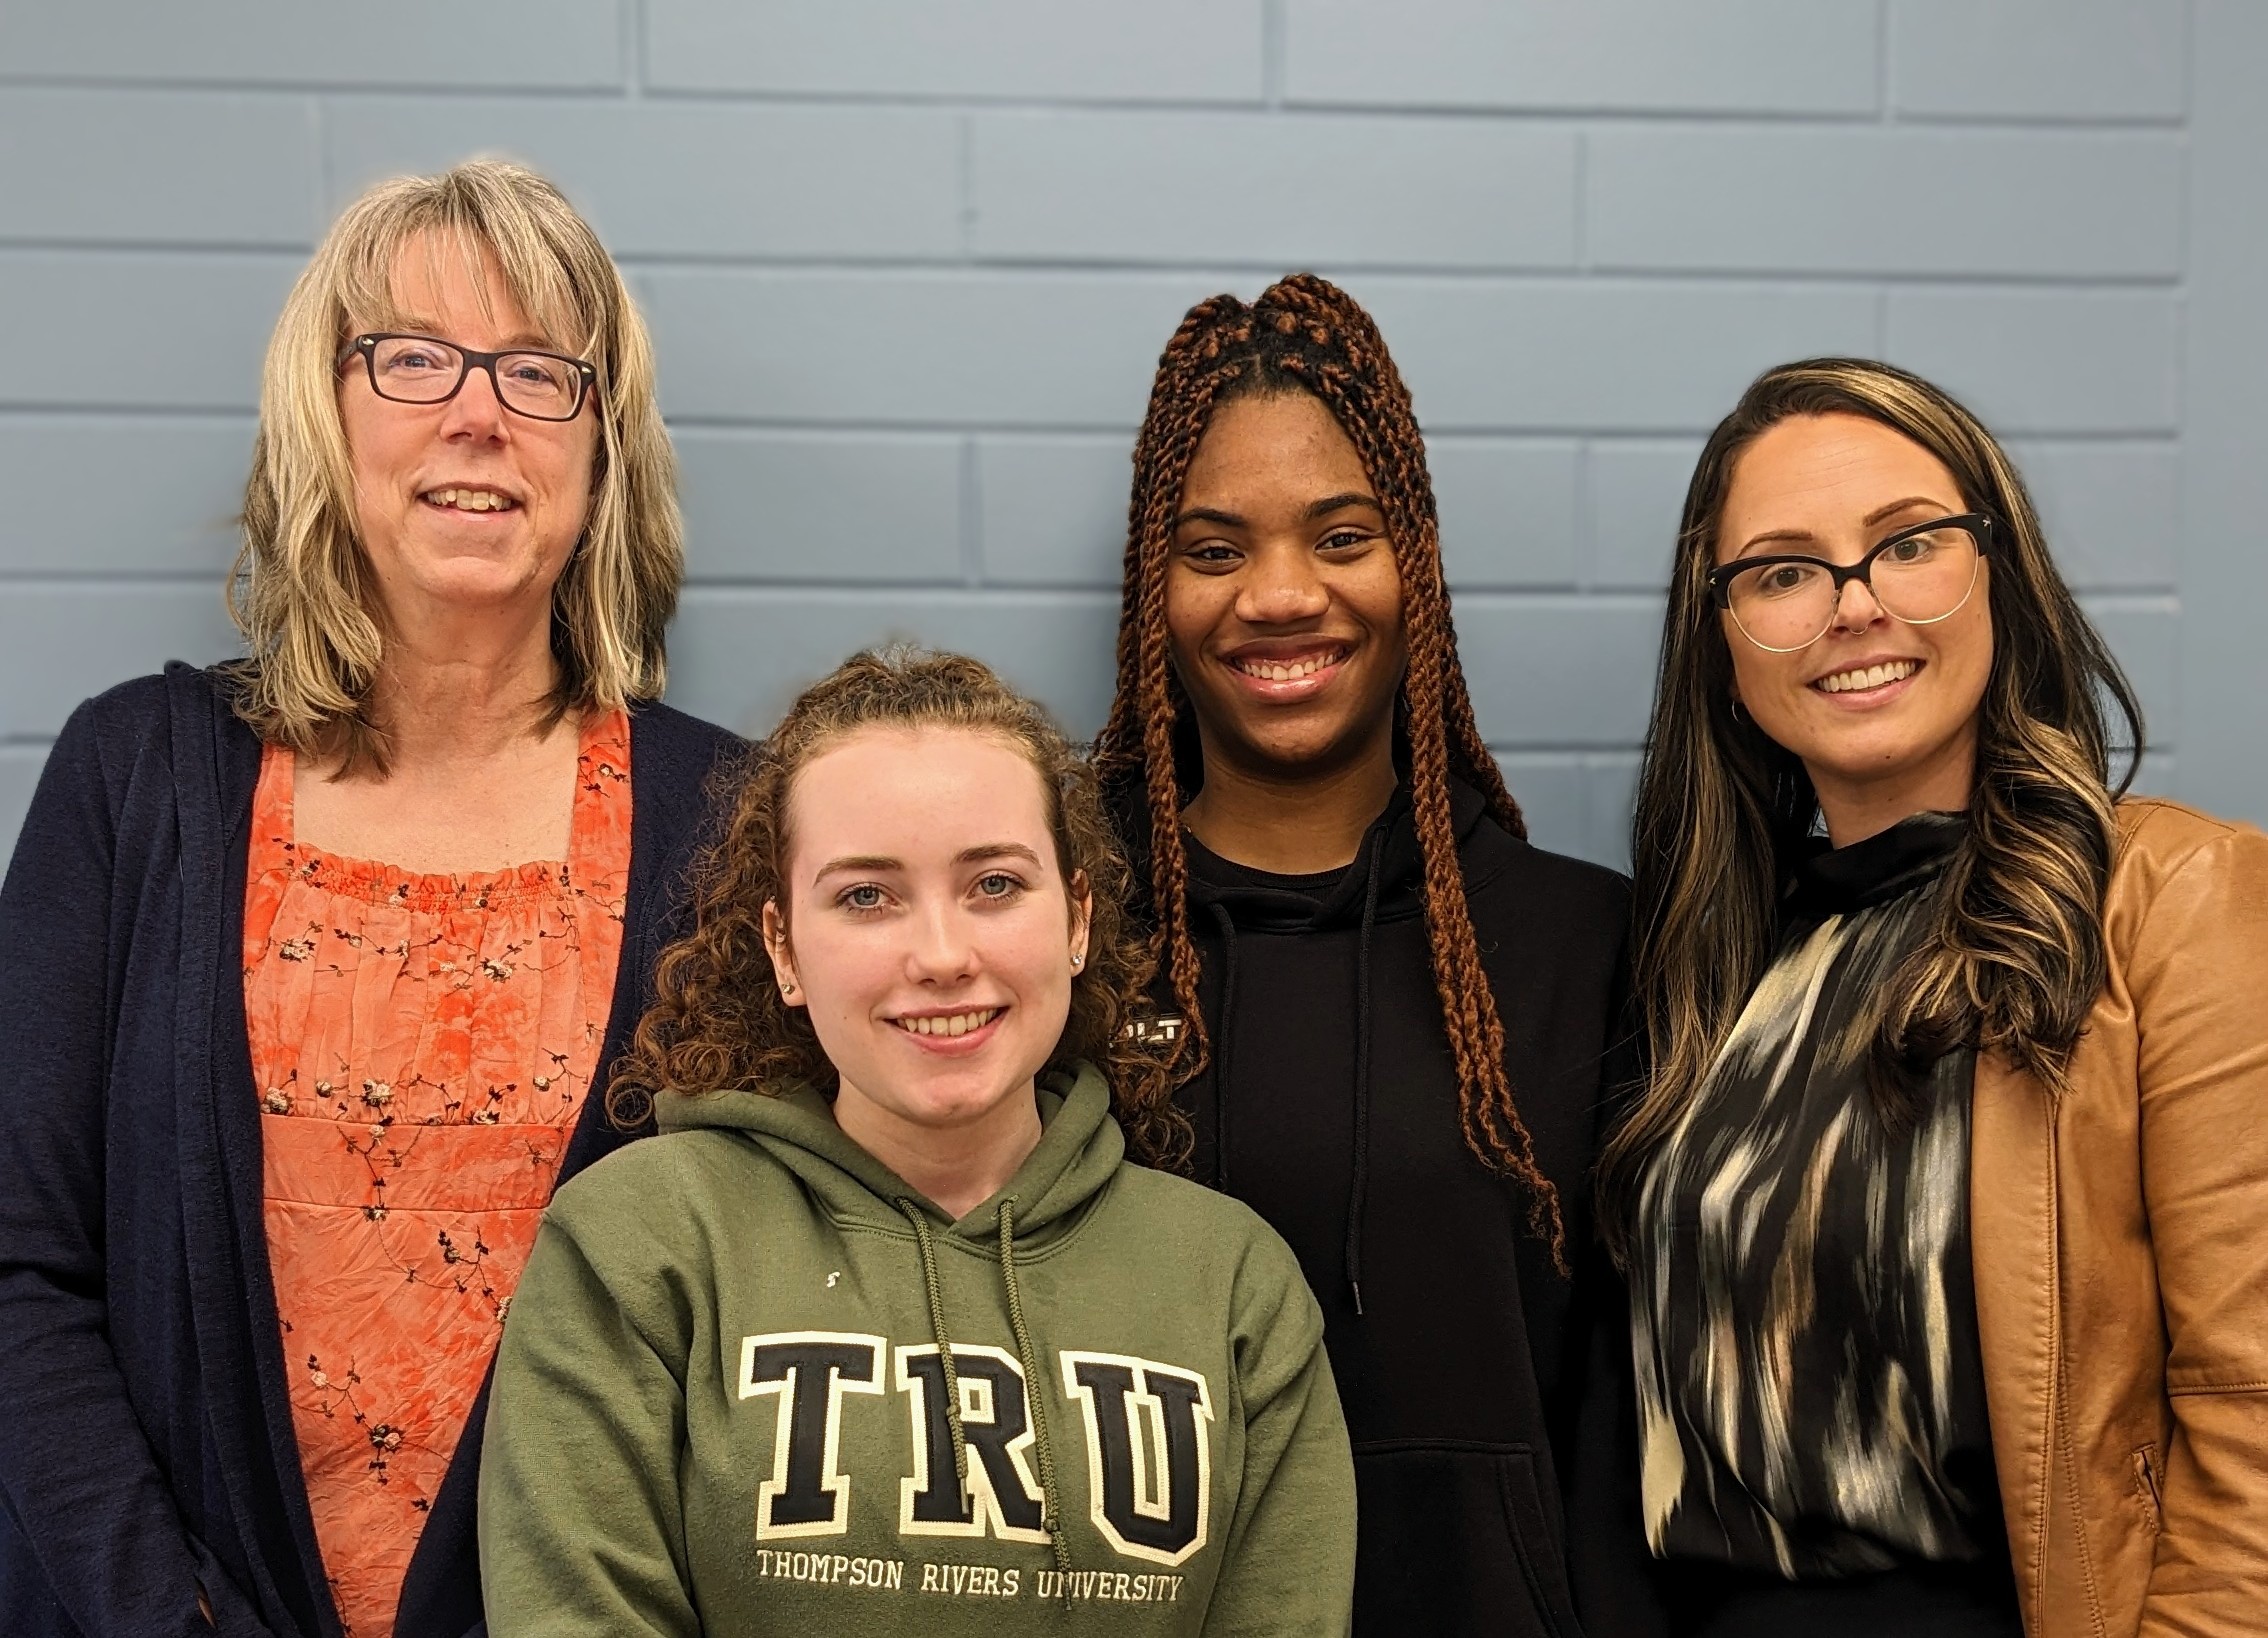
(1392, 1017)
(1945, 1210)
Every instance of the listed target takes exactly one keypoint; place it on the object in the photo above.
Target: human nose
(476, 410)
(1284, 586)
(1856, 606)
(942, 951)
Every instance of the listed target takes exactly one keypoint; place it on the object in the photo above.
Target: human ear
(782, 953)
(1082, 918)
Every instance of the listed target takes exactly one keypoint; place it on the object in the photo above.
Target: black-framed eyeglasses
(1783, 601)
(427, 370)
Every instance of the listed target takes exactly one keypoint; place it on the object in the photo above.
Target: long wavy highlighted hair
(717, 1020)
(301, 590)
(1305, 335)
(2017, 957)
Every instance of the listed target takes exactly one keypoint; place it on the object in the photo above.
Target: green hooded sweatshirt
(723, 1401)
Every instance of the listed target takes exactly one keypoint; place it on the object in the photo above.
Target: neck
(956, 1167)
(1856, 807)
(1290, 824)
(459, 691)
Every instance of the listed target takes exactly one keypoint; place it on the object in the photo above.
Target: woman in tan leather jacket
(1945, 1208)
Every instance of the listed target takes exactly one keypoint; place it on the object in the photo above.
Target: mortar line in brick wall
(57, 246)
(314, 85)
(760, 97)
(1214, 264)
(1063, 427)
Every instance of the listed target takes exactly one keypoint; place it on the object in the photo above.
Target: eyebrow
(1314, 509)
(1772, 537)
(967, 855)
(522, 341)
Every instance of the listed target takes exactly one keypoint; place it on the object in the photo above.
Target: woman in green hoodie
(885, 1333)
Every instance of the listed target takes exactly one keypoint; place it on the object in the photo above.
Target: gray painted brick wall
(909, 266)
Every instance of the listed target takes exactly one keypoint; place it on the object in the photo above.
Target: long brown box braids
(1305, 334)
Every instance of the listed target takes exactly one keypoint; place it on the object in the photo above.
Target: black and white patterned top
(1810, 1389)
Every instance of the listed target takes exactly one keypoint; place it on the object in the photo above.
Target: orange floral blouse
(423, 1045)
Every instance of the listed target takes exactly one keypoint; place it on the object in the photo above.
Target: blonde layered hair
(301, 590)
(2016, 957)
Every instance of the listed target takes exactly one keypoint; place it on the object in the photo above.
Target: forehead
(917, 794)
(450, 279)
(1824, 470)
(1282, 441)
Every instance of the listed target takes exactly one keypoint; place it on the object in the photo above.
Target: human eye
(862, 898)
(1912, 549)
(999, 886)
(1211, 554)
(408, 356)
(532, 370)
(1345, 539)
(1783, 579)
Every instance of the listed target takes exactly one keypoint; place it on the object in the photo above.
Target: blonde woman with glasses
(313, 961)
(1945, 1211)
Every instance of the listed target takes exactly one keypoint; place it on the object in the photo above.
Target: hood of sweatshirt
(1080, 1150)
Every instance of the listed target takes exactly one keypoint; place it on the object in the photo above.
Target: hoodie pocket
(1453, 1538)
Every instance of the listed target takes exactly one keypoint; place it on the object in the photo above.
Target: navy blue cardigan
(146, 1442)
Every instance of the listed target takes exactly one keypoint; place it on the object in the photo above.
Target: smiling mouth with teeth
(469, 500)
(957, 1023)
(1876, 676)
(1288, 670)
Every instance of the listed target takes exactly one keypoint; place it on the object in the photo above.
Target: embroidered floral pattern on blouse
(423, 1045)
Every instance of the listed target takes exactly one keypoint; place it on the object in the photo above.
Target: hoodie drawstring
(1223, 1033)
(936, 1291)
(1360, 1187)
(1036, 1397)
(1035, 1394)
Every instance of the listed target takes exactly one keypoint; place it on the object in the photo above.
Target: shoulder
(1202, 1232)
(2179, 873)
(1508, 878)
(2160, 839)
(669, 744)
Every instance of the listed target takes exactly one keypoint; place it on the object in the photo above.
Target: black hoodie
(1458, 1350)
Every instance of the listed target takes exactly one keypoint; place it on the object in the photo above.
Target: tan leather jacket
(2120, 1234)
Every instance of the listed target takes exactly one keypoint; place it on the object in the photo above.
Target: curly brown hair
(1306, 335)
(717, 1021)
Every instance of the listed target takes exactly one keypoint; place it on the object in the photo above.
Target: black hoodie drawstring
(1360, 1187)
(1035, 1395)
(936, 1291)
(1222, 1035)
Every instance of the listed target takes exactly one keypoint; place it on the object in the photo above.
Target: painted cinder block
(1568, 356)
(1282, 190)
(2112, 511)
(1717, 56)
(1548, 785)
(1508, 511)
(121, 494)
(739, 655)
(145, 330)
(688, 179)
(1885, 201)
(2144, 632)
(1161, 50)
(1573, 672)
(1635, 492)
(60, 644)
(568, 44)
(820, 507)
(2054, 59)
(2046, 361)
(1051, 511)
(156, 167)
(1053, 351)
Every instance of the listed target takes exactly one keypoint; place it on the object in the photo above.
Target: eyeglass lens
(416, 370)
(1921, 579)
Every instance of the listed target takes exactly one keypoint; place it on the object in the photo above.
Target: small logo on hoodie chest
(1147, 1428)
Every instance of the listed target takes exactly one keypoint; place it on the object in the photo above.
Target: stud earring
(787, 986)
(1076, 962)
